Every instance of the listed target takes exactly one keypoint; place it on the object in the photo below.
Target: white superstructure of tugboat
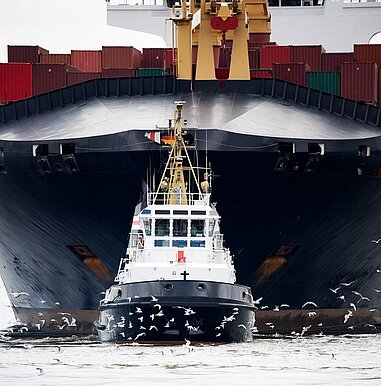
(177, 280)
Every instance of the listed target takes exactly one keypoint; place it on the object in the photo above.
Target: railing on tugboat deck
(176, 198)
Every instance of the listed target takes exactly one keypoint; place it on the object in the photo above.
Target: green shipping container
(324, 81)
(142, 72)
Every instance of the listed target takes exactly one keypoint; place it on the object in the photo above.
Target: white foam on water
(6, 314)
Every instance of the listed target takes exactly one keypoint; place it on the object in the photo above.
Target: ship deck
(234, 112)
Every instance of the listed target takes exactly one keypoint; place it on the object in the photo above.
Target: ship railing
(218, 242)
(178, 198)
(136, 240)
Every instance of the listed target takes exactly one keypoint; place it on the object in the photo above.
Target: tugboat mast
(172, 182)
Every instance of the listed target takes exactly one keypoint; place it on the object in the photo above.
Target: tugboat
(177, 280)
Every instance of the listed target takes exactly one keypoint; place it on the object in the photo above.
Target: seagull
(347, 316)
(158, 305)
(63, 313)
(153, 299)
(363, 298)
(376, 241)
(305, 329)
(341, 297)
(42, 301)
(258, 300)
(276, 308)
(264, 307)
(335, 290)
(356, 293)
(41, 370)
(153, 328)
(142, 328)
(139, 335)
(160, 313)
(167, 325)
(377, 290)
(129, 299)
(283, 305)
(57, 303)
(141, 319)
(219, 334)
(242, 325)
(122, 333)
(378, 270)
(320, 324)
(269, 323)
(138, 310)
(152, 316)
(235, 309)
(130, 324)
(311, 314)
(354, 307)
(18, 294)
(348, 284)
(371, 325)
(312, 303)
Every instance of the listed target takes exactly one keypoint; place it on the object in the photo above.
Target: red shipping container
(307, 54)
(260, 74)
(291, 72)
(87, 61)
(25, 54)
(15, 81)
(225, 57)
(118, 72)
(216, 52)
(153, 57)
(49, 77)
(359, 81)
(274, 54)
(379, 87)
(368, 53)
(121, 57)
(263, 38)
(332, 61)
(253, 58)
(222, 73)
(55, 59)
(79, 77)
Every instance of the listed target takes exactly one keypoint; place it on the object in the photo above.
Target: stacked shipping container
(360, 71)
(25, 54)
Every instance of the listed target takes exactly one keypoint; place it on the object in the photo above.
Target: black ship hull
(176, 311)
(299, 224)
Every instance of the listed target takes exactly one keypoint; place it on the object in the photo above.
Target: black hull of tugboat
(176, 311)
(295, 232)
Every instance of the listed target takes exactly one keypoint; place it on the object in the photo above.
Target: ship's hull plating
(296, 233)
(177, 311)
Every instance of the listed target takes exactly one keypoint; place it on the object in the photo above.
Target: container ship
(292, 134)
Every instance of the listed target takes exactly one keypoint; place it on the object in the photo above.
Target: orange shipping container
(87, 61)
(55, 59)
(121, 57)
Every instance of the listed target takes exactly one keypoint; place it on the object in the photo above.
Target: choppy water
(317, 360)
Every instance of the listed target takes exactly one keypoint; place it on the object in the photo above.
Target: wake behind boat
(177, 280)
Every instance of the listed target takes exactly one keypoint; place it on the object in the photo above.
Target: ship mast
(173, 186)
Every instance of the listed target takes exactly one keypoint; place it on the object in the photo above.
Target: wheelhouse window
(179, 243)
(161, 243)
(197, 228)
(197, 243)
(162, 227)
(180, 228)
(147, 222)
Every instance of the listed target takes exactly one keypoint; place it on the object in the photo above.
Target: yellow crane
(206, 24)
